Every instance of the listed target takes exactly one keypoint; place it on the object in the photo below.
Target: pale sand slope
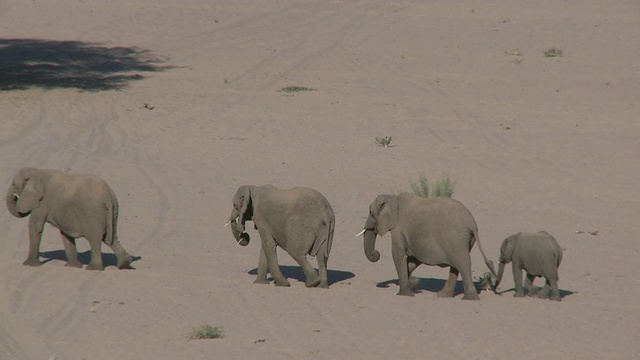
(532, 142)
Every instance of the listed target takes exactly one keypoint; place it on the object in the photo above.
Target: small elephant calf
(78, 205)
(536, 253)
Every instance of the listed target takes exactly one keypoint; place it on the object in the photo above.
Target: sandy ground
(177, 103)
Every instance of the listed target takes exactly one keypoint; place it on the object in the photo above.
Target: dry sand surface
(177, 103)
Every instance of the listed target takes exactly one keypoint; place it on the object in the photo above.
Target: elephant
(78, 205)
(434, 231)
(536, 253)
(299, 220)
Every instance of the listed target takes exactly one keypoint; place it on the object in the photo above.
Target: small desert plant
(295, 89)
(443, 187)
(420, 187)
(384, 141)
(205, 332)
(553, 52)
(486, 281)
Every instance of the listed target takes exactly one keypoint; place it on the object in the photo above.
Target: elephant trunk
(499, 277)
(370, 246)
(12, 202)
(237, 228)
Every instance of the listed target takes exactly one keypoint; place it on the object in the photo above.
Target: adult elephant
(78, 205)
(299, 220)
(434, 231)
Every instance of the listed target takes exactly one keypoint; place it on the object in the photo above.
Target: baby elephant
(536, 253)
(299, 220)
(78, 205)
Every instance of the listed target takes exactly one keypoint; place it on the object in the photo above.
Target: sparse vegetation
(295, 89)
(553, 52)
(383, 141)
(486, 281)
(443, 187)
(420, 187)
(205, 332)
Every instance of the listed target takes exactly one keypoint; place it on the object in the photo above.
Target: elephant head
(241, 212)
(506, 254)
(383, 216)
(25, 192)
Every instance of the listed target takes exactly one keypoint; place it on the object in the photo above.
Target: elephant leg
(269, 248)
(555, 292)
(322, 269)
(517, 279)
(36, 225)
(470, 292)
(95, 241)
(412, 264)
(528, 284)
(544, 292)
(263, 268)
(400, 260)
(310, 274)
(450, 284)
(70, 250)
(123, 258)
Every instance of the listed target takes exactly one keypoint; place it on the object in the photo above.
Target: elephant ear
(385, 210)
(506, 250)
(242, 202)
(30, 196)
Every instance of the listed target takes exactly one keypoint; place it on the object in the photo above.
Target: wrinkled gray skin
(299, 220)
(536, 253)
(78, 205)
(434, 231)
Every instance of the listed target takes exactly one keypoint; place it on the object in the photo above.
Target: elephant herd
(434, 231)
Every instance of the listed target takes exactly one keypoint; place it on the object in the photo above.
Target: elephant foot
(261, 281)
(406, 292)
(414, 283)
(125, 264)
(312, 283)
(518, 294)
(555, 297)
(543, 295)
(73, 264)
(32, 262)
(95, 267)
(283, 282)
(471, 297)
(444, 294)
(323, 285)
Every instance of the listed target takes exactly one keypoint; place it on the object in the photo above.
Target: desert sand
(177, 103)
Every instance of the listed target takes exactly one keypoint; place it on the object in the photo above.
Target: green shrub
(443, 187)
(205, 332)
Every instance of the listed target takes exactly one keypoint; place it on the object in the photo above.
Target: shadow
(433, 285)
(84, 257)
(295, 272)
(563, 293)
(49, 64)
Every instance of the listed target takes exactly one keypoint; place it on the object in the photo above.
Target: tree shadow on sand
(50, 64)
(435, 285)
(295, 272)
(84, 257)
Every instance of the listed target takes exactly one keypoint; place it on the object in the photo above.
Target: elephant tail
(488, 262)
(324, 239)
(112, 220)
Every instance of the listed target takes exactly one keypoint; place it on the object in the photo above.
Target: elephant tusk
(16, 196)
(361, 232)
(228, 223)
